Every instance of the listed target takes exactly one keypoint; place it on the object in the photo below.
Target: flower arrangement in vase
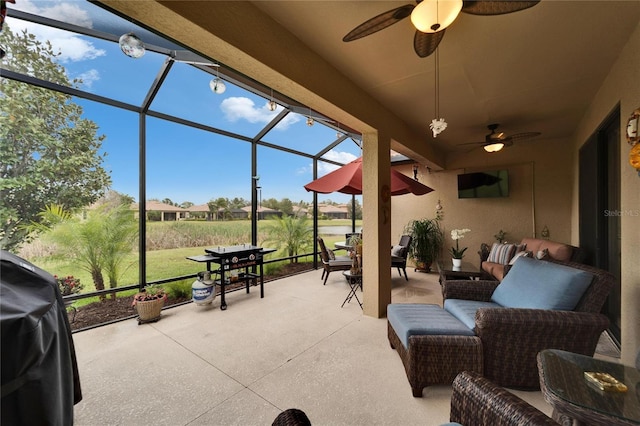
(456, 252)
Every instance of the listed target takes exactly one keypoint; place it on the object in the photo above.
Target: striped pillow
(501, 253)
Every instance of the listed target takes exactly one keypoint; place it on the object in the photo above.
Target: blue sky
(183, 164)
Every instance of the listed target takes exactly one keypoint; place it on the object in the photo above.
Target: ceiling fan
(495, 141)
(431, 18)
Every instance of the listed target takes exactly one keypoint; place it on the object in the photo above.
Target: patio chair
(331, 262)
(478, 401)
(292, 417)
(399, 255)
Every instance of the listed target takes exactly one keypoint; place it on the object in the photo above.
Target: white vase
(457, 262)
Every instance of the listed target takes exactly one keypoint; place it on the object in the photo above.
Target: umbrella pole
(353, 214)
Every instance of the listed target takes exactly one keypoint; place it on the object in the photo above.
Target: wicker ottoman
(433, 345)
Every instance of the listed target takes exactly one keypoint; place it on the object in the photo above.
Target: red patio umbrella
(348, 180)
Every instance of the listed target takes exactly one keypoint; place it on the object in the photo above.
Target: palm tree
(100, 243)
(291, 234)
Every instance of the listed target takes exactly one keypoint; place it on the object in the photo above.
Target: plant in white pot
(456, 252)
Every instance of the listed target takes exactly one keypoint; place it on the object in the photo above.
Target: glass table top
(563, 375)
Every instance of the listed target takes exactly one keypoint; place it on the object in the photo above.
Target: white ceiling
(533, 70)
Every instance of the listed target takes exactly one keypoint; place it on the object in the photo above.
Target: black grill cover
(40, 382)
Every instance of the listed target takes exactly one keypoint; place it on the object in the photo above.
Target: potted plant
(426, 243)
(355, 241)
(456, 252)
(149, 303)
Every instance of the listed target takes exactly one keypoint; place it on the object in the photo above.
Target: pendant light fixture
(131, 45)
(437, 125)
(309, 119)
(271, 104)
(217, 85)
(431, 16)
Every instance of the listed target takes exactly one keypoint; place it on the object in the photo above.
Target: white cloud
(241, 108)
(72, 47)
(89, 77)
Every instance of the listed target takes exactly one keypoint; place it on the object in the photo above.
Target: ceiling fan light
(494, 147)
(431, 16)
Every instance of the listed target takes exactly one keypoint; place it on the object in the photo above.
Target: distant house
(202, 208)
(300, 211)
(334, 212)
(155, 210)
(263, 212)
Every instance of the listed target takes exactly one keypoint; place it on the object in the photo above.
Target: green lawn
(169, 261)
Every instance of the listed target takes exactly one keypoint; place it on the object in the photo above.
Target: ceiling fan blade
(522, 136)
(426, 43)
(496, 7)
(472, 143)
(379, 22)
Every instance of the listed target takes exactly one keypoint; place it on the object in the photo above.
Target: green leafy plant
(500, 236)
(291, 234)
(426, 243)
(179, 289)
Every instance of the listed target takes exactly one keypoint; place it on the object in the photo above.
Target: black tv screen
(484, 184)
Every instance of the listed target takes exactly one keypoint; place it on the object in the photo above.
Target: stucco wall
(539, 195)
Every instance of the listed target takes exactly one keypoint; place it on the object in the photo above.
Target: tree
(215, 206)
(48, 153)
(286, 206)
(291, 234)
(100, 243)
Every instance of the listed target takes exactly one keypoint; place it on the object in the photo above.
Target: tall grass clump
(170, 235)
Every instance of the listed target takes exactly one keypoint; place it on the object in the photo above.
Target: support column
(376, 222)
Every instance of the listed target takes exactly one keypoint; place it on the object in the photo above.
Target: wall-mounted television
(488, 184)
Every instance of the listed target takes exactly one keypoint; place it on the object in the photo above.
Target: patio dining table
(343, 245)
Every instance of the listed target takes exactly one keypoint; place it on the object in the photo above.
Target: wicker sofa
(552, 250)
(503, 341)
(477, 401)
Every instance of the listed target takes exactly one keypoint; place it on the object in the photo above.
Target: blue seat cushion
(410, 319)
(465, 310)
(537, 284)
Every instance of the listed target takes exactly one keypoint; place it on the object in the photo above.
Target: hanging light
(494, 147)
(272, 104)
(217, 84)
(309, 121)
(430, 16)
(437, 125)
(131, 45)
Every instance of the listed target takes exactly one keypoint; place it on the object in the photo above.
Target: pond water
(336, 230)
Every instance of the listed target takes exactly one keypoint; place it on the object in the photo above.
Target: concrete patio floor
(296, 348)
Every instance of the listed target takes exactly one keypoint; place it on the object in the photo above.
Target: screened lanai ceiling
(168, 77)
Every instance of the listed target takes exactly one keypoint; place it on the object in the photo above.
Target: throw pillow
(398, 251)
(542, 254)
(519, 255)
(534, 284)
(332, 255)
(501, 253)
